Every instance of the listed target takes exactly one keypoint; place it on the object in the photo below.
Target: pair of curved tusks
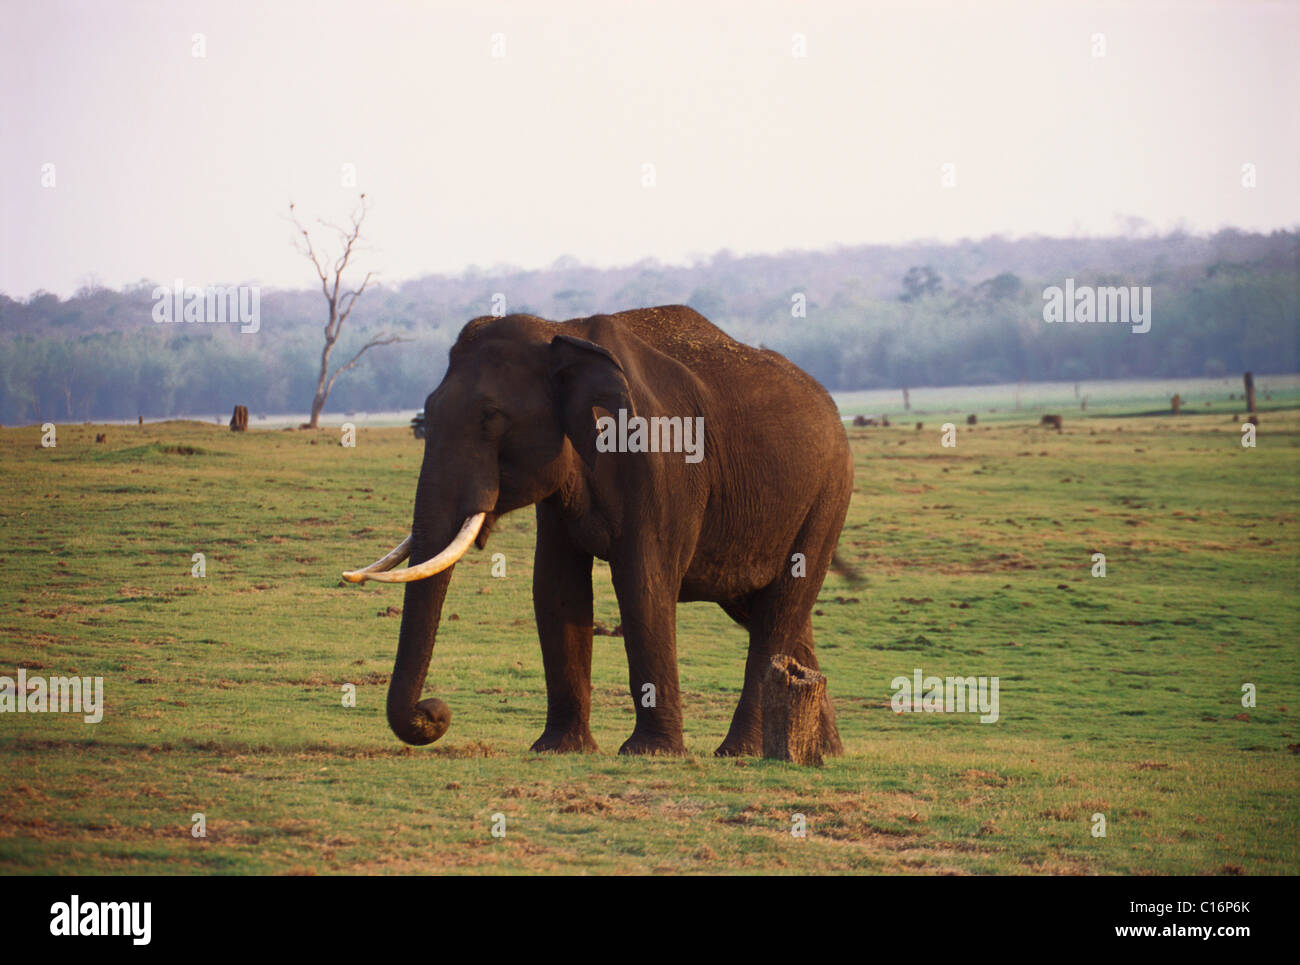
(379, 569)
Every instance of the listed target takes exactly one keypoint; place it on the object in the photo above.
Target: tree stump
(792, 712)
(239, 419)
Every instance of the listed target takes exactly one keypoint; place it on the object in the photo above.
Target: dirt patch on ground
(1077, 811)
(372, 677)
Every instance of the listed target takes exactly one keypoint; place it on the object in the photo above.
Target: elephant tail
(846, 569)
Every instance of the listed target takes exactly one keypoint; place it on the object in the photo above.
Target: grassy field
(1119, 695)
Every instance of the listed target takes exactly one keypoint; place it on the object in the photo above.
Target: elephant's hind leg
(745, 738)
(832, 746)
(779, 618)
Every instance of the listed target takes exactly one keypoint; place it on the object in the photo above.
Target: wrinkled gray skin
(512, 425)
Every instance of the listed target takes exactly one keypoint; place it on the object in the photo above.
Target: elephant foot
(654, 745)
(752, 745)
(572, 740)
(744, 737)
(736, 747)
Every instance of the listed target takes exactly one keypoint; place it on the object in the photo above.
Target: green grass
(1119, 695)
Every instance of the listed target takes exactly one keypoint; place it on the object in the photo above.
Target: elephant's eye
(494, 422)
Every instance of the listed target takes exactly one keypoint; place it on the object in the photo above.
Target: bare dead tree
(340, 302)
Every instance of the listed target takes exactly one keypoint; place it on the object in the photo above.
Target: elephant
(748, 519)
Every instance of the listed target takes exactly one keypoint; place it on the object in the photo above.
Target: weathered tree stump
(1249, 381)
(792, 712)
(239, 419)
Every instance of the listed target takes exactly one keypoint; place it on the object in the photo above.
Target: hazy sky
(169, 165)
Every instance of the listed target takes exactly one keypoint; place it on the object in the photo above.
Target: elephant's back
(717, 359)
(770, 424)
(683, 333)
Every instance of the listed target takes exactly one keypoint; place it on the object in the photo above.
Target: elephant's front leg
(563, 606)
(648, 607)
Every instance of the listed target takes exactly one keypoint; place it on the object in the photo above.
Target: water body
(1034, 397)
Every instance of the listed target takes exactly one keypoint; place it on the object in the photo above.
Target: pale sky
(167, 165)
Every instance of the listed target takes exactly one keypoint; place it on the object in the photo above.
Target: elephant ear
(584, 375)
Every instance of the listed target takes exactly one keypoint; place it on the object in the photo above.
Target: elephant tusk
(400, 552)
(444, 560)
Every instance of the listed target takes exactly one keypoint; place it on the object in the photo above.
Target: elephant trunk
(451, 506)
(413, 720)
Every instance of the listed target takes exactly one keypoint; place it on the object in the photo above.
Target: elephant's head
(504, 429)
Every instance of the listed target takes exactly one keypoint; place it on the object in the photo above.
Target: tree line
(855, 318)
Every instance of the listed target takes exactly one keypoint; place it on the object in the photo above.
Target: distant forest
(876, 317)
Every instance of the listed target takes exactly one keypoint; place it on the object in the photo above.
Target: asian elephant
(743, 508)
